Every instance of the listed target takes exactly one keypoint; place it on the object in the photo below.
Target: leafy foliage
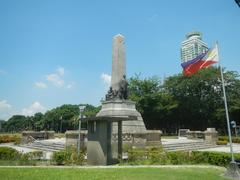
(157, 156)
(193, 102)
(58, 119)
(68, 157)
(10, 138)
(7, 153)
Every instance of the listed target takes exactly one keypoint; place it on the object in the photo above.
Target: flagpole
(226, 108)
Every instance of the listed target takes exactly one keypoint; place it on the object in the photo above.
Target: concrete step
(41, 148)
(50, 145)
(47, 147)
(44, 146)
(188, 146)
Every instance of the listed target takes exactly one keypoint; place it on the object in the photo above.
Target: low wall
(148, 138)
(30, 136)
(210, 135)
(73, 136)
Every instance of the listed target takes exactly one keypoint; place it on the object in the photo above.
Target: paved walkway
(224, 148)
(181, 140)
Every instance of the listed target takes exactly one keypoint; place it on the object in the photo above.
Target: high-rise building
(192, 46)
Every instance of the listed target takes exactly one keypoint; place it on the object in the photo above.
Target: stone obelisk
(118, 61)
(117, 103)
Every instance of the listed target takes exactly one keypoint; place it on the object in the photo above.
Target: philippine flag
(202, 61)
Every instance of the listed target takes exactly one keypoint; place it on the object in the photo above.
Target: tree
(153, 103)
(200, 97)
(194, 102)
(58, 119)
(16, 123)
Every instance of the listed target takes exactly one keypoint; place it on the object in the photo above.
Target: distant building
(192, 46)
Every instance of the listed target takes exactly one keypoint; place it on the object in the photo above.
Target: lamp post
(81, 109)
(60, 124)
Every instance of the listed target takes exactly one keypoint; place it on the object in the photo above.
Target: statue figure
(123, 90)
(110, 95)
(122, 93)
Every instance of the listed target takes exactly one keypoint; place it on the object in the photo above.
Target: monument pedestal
(134, 132)
(123, 108)
(211, 135)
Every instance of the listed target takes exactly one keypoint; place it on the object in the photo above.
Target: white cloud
(60, 71)
(106, 78)
(5, 109)
(34, 108)
(55, 79)
(40, 85)
(70, 85)
(4, 105)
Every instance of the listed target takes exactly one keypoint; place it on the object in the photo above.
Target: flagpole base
(233, 171)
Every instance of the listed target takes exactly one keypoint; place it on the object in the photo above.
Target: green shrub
(68, 157)
(179, 157)
(59, 157)
(197, 157)
(10, 138)
(157, 156)
(147, 156)
(222, 142)
(7, 153)
(236, 140)
(213, 158)
(30, 158)
(35, 155)
(225, 138)
(219, 159)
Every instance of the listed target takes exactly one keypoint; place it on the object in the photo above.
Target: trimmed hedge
(10, 156)
(155, 156)
(225, 138)
(224, 142)
(68, 157)
(7, 153)
(10, 138)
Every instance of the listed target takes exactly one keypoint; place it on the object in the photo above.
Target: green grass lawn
(111, 173)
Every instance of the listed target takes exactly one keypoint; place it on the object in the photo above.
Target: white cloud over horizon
(106, 78)
(70, 85)
(55, 79)
(5, 109)
(41, 85)
(32, 109)
(60, 70)
(4, 105)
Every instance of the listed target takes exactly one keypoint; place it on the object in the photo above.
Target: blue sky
(55, 52)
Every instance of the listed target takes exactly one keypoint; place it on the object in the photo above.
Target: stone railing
(148, 138)
(30, 136)
(210, 135)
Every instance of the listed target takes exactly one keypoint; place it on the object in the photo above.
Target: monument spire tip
(119, 36)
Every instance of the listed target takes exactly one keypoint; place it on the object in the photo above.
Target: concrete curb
(122, 167)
